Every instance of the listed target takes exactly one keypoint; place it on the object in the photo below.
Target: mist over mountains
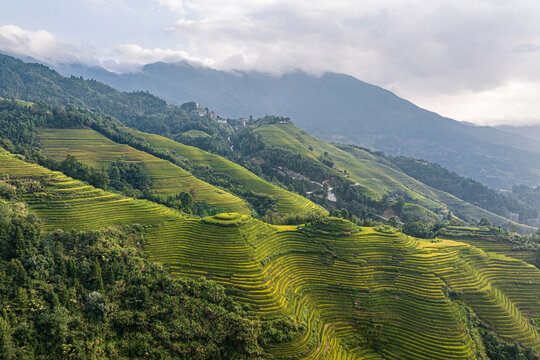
(341, 108)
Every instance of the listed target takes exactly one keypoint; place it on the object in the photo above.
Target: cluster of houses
(202, 111)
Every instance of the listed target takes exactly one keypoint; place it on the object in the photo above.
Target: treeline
(19, 122)
(82, 295)
(464, 188)
(528, 195)
(93, 295)
(297, 172)
(140, 110)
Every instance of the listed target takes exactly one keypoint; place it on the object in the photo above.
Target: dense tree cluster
(93, 295)
(82, 295)
(465, 188)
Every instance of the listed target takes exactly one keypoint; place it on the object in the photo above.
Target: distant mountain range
(529, 131)
(341, 108)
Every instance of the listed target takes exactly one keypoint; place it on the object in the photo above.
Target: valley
(157, 232)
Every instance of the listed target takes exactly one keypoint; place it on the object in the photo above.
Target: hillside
(287, 202)
(63, 202)
(53, 133)
(371, 172)
(147, 113)
(340, 108)
(356, 293)
(94, 149)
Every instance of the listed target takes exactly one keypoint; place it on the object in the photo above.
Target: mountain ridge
(339, 107)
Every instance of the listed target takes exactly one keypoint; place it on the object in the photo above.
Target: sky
(471, 60)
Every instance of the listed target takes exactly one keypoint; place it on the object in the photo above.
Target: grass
(94, 149)
(287, 202)
(196, 133)
(491, 241)
(372, 173)
(336, 278)
(63, 202)
(336, 284)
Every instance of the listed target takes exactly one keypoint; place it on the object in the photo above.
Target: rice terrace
(254, 181)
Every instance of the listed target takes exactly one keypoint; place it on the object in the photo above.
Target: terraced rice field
(94, 149)
(337, 285)
(371, 172)
(287, 202)
(63, 202)
(339, 282)
(489, 241)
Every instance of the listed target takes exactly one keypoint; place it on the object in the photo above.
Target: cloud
(514, 103)
(43, 46)
(440, 45)
(422, 50)
(40, 45)
(130, 57)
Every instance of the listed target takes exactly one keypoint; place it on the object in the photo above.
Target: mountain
(148, 113)
(529, 131)
(341, 108)
(326, 290)
(122, 250)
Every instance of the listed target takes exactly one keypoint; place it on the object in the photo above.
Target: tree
(484, 222)
(187, 200)
(96, 306)
(96, 280)
(398, 206)
(7, 350)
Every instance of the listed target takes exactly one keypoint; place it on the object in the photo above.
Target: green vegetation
(467, 189)
(359, 290)
(196, 133)
(165, 178)
(71, 204)
(79, 273)
(374, 176)
(93, 295)
(218, 170)
(348, 292)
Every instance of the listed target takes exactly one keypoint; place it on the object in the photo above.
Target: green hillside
(493, 240)
(357, 293)
(287, 202)
(97, 151)
(371, 172)
(72, 204)
(86, 272)
(343, 286)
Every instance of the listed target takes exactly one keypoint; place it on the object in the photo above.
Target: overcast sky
(475, 61)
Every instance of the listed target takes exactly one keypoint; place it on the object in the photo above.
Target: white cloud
(43, 46)
(451, 56)
(40, 45)
(423, 50)
(130, 57)
(514, 103)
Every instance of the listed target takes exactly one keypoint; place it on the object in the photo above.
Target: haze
(470, 60)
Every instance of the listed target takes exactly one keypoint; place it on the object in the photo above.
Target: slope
(371, 172)
(339, 107)
(146, 112)
(359, 293)
(97, 151)
(341, 283)
(288, 203)
(71, 204)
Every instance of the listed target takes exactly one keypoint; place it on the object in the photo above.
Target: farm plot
(97, 151)
(287, 202)
(342, 285)
(65, 203)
